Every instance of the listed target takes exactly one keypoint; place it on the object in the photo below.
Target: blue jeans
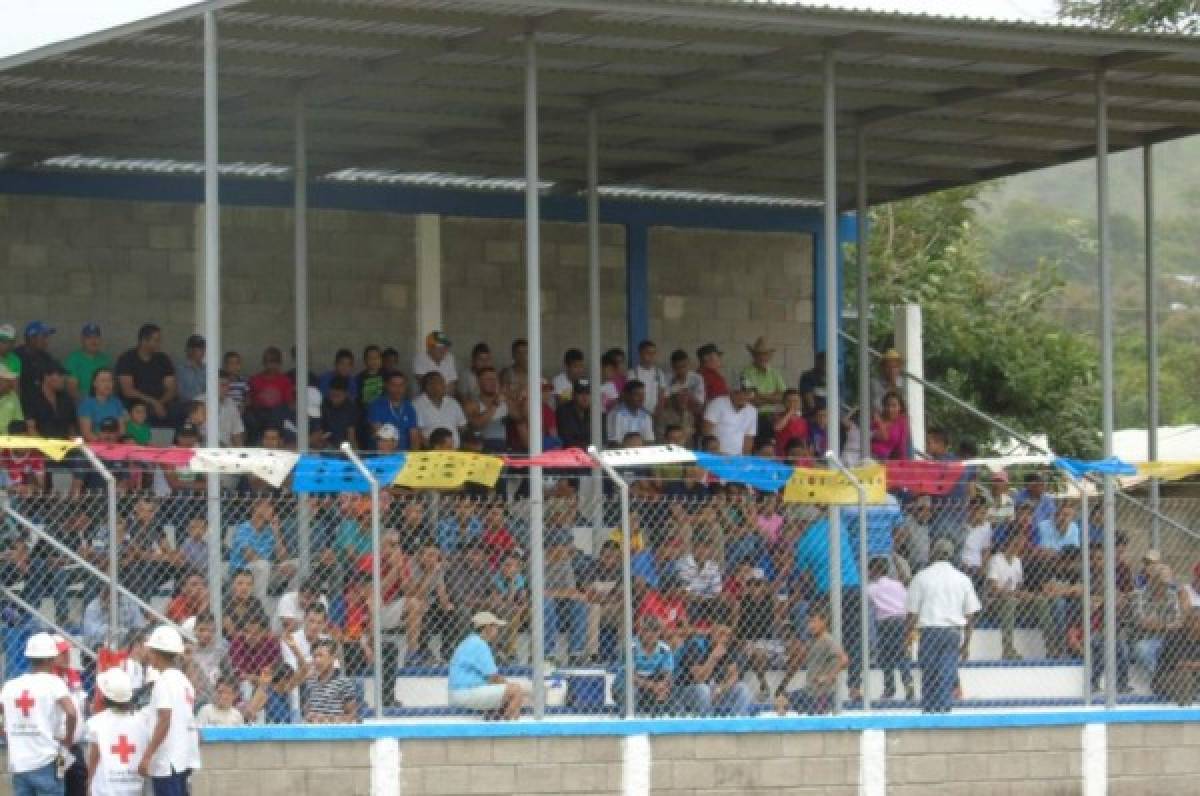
(1146, 652)
(174, 785)
(1098, 663)
(575, 613)
(892, 655)
(39, 782)
(697, 699)
(938, 655)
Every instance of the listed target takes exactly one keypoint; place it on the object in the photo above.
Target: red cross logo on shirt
(123, 749)
(25, 703)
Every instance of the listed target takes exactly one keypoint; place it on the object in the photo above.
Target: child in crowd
(512, 595)
(887, 597)
(222, 711)
(238, 386)
(137, 428)
(823, 663)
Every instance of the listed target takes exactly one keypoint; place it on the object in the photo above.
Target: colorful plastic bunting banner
(449, 470)
(326, 474)
(55, 449)
(566, 458)
(831, 487)
(925, 478)
(648, 457)
(763, 474)
(174, 457)
(1081, 468)
(1168, 471)
(272, 466)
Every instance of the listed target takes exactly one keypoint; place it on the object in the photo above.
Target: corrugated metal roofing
(714, 97)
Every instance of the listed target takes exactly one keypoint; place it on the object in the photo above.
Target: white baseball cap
(115, 685)
(485, 618)
(166, 639)
(388, 431)
(41, 646)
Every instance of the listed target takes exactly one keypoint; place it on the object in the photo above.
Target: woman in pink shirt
(889, 431)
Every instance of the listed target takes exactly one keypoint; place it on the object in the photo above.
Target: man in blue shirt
(394, 408)
(812, 556)
(653, 669)
(475, 682)
(259, 546)
(1035, 495)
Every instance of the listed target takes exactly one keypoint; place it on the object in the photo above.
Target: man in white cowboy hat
(36, 706)
(768, 383)
(475, 682)
(117, 738)
(174, 748)
(889, 379)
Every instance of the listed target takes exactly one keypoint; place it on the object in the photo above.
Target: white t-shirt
(941, 596)
(692, 383)
(563, 389)
(977, 538)
(212, 716)
(289, 608)
(423, 363)
(655, 381)
(230, 423)
(32, 719)
(120, 740)
(448, 415)
(1008, 575)
(731, 426)
(180, 750)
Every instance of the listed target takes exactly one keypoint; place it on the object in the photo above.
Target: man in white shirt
(1007, 594)
(942, 603)
(574, 370)
(630, 416)
(651, 375)
(733, 420)
(35, 706)
(436, 357)
(435, 409)
(174, 748)
(289, 613)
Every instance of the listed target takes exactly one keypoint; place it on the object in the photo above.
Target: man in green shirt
(10, 401)
(9, 358)
(83, 363)
(768, 385)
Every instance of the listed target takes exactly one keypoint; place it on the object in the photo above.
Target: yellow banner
(449, 470)
(831, 487)
(54, 449)
(1168, 471)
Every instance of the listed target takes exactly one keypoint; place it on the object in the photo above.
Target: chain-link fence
(737, 609)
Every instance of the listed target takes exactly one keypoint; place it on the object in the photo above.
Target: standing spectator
(708, 675)
(732, 419)
(823, 661)
(511, 588)
(612, 377)
(10, 401)
(574, 416)
(812, 557)
(339, 413)
(239, 388)
(343, 368)
(942, 604)
(35, 706)
(475, 682)
(709, 357)
(790, 424)
(271, 393)
(889, 430)
(890, 378)
(437, 409)
(209, 655)
(812, 385)
(1034, 494)
(768, 384)
(192, 599)
(487, 412)
(574, 370)
(565, 603)
(603, 588)
(653, 669)
(253, 648)
(517, 373)
(468, 382)
(631, 416)
(99, 404)
(999, 498)
(686, 383)
(9, 358)
(49, 411)
(651, 376)
(977, 544)
(393, 408)
(83, 362)
(370, 382)
(117, 738)
(888, 597)
(35, 358)
(438, 357)
(145, 373)
(1157, 613)
(174, 748)
(95, 618)
(1007, 595)
(331, 698)
(241, 603)
(191, 372)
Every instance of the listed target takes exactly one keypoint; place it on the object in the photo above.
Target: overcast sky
(28, 24)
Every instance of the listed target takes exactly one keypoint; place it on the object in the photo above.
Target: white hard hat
(166, 639)
(115, 685)
(41, 646)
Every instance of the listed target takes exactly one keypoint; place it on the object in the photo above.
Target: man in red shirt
(271, 393)
(668, 603)
(710, 370)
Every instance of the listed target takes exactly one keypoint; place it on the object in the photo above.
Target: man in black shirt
(35, 358)
(339, 414)
(574, 417)
(146, 373)
(50, 412)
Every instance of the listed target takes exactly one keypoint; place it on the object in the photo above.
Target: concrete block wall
(289, 768)
(585, 766)
(1154, 758)
(971, 762)
(729, 288)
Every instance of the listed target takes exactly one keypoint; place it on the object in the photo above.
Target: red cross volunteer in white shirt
(35, 706)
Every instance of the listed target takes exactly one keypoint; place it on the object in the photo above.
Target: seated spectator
(487, 411)
(653, 670)
(429, 584)
(676, 420)
(440, 439)
(702, 578)
(271, 701)
(517, 373)
(137, 427)
(566, 604)
(401, 608)
(888, 598)
(239, 388)
(293, 606)
(191, 373)
(511, 589)
(241, 603)
(437, 358)
(630, 415)
(10, 401)
(369, 382)
(999, 498)
(1157, 613)
(83, 363)
(339, 414)
(667, 603)
(1062, 531)
(252, 647)
(192, 599)
(1064, 589)
(436, 409)
(709, 357)
(34, 359)
(756, 617)
(23, 469)
(9, 358)
(259, 547)
(148, 556)
(732, 419)
(95, 628)
(708, 676)
(823, 662)
(648, 565)
(890, 378)
(394, 409)
(391, 360)
(1044, 506)
(889, 430)
(182, 479)
(574, 370)
(354, 531)
(602, 586)
(208, 657)
(99, 404)
(612, 378)
(496, 537)
(296, 645)
(977, 543)
(49, 410)
(145, 373)
(790, 424)
(475, 682)
(194, 548)
(1007, 595)
(343, 369)
(330, 698)
(223, 710)
(270, 394)
(468, 382)
(768, 384)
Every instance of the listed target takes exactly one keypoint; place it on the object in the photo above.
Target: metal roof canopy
(693, 95)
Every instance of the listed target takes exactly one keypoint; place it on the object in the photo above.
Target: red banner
(924, 478)
(175, 457)
(567, 458)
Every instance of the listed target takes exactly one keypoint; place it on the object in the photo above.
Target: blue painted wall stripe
(637, 286)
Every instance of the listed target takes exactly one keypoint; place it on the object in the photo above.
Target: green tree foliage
(1170, 16)
(988, 338)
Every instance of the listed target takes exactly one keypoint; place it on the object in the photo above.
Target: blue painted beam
(637, 286)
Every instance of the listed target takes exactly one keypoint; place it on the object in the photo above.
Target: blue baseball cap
(90, 329)
(36, 328)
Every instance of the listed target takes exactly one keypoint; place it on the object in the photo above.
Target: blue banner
(762, 474)
(326, 474)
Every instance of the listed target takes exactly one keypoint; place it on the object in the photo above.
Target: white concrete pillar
(910, 344)
(428, 308)
(198, 273)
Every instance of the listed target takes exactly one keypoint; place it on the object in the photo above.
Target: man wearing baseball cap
(437, 356)
(36, 706)
(35, 356)
(83, 362)
(475, 682)
(174, 748)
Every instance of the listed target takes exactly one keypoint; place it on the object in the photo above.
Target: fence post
(376, 577)
(627, 585)
(110, 486)
(864, 616)
(1085, 603)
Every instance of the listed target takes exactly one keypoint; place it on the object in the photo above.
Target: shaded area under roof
(712, 96)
